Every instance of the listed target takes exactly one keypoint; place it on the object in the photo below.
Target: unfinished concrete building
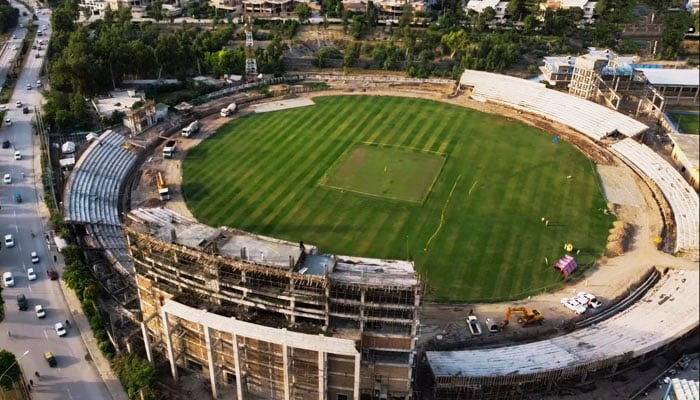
(275, 319)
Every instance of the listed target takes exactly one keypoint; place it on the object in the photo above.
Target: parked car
(5, 144)
(25, 110)
(48, 356)
(7, 178)
(7, 279)
(589, 299)
(31, 275)
(474, 325)
(21, 302)
(38, 83)
(3, 107)
(18, 104)
(18, 155)
(9, 240)
(18, 197)
(35, 257)
(39, 310)
(8, 121)
(29, 87)
(60, 329)
(573, 305)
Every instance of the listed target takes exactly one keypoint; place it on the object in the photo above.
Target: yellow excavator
(528, 316)
(163, 192)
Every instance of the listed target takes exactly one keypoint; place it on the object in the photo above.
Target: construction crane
(529, 316)
(163, 192)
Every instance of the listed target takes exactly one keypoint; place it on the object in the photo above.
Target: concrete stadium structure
(288, 321)
(302, 324)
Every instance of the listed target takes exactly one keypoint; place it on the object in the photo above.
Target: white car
(29, 87)
(8, 122)
(14, 47)
(3, 107)
(7, 279)
(39, 310)
(574, 305)
(7, 178)
(38, 83)
(18, 155)
(35, 257)
(589, 299)
(18, 104)
(31, 275)
(9, 240)
(60, 329)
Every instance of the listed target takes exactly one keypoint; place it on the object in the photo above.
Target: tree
(371, 14)
(531, 23)
(303, 12)
(157, 10)
(517, 9)
(358, 26)
(676, 24)
(352, 54)
(456, 41)
(406, 15)
(8, 360)
(137, 375)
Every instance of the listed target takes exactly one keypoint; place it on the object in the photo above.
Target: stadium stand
(667, 312)
(680, 195)
(591, 119)
(92, 192)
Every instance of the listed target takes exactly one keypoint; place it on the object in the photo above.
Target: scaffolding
(251, 64)
(373, 303)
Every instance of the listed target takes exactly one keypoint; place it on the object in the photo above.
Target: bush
(137, 375)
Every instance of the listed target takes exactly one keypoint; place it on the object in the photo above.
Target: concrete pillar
(237, 364)
(356, 383)
(147, 343)
(292, 317)
(322, 371)
(210, 359)
(362, 310)
(169, 343)
(285, 370)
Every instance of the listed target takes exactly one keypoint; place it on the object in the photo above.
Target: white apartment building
(498, 6)
(587, 6)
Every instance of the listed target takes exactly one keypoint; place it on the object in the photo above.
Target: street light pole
(13, 364)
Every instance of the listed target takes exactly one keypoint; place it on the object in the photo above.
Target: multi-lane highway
(74, 377)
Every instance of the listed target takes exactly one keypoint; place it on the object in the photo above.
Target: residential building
(498, 6)
(588, 7)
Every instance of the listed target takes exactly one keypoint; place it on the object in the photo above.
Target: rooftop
(118, 100)
(169, 226)
(689, 145)
(672, 77)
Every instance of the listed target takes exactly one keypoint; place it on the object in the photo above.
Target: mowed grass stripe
(315, 168)
(261, 174)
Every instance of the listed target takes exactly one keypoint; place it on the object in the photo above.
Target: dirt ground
(444, 324)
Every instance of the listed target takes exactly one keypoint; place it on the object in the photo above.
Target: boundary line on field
(442, 215)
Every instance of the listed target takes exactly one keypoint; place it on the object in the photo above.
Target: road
(74, 377)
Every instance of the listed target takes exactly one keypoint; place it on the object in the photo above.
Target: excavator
(529, 316)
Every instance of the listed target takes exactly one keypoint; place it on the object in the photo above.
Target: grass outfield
(477, 235)
(687, 123)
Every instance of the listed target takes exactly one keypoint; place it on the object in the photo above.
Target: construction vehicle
(230, 109)
(529, 316)
(190, 129)
(163, 192)
(169, 149)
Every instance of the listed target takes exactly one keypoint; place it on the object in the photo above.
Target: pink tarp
(566, 265)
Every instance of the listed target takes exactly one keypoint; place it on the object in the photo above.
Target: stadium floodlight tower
(251, 65)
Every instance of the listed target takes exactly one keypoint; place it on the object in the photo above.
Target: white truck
(169, 149)
(190, 129)
(230, 109)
